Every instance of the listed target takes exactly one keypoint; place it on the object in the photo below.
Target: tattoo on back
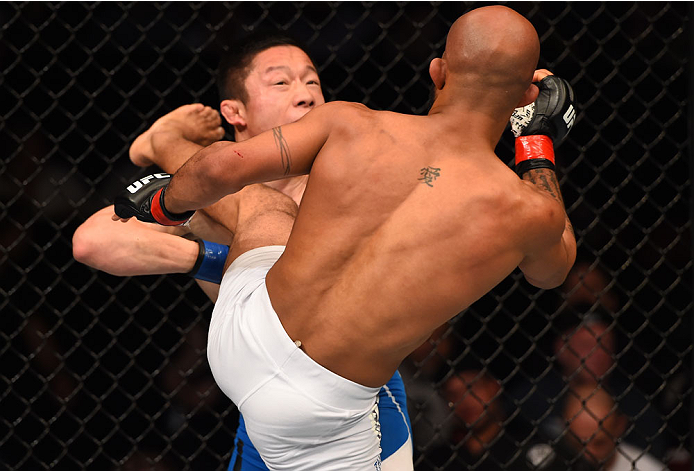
(428, 175)
(283, 147)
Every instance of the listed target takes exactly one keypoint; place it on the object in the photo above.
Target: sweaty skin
(406, 220)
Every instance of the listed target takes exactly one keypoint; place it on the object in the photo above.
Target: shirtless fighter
(265, 81)
(406, 221)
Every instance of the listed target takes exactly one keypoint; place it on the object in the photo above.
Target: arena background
(102, 372)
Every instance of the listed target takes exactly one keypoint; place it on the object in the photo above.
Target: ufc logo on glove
(136, 185)
(148, 205)
(569, 117)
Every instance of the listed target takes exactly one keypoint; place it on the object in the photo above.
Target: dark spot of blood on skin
(238, 153)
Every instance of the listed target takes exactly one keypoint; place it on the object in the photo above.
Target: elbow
(569, 244)
(557, 277)
(218, 172)
(554, 281)
(84, 247)
(88, 240)
(90, 248)
(89, 245)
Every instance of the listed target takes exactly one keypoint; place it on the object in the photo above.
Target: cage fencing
(103, 372)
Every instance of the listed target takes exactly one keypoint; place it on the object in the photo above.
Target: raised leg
(265, 217)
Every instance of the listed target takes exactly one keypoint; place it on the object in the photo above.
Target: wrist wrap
(210, 263)
(533, 152)
(164, 217)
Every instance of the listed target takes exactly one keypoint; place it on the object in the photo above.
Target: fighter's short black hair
(234, 65)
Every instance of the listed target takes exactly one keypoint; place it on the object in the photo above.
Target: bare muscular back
(402, 226)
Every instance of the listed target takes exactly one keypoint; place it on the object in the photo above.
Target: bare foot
(195, 123)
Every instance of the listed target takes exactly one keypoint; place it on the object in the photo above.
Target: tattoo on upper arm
(283, 147)
(570, 227)
(429, 174)
(546, 180)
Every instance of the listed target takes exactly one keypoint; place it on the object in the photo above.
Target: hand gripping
(144, 199)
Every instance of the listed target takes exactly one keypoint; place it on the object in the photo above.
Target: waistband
(256, 258)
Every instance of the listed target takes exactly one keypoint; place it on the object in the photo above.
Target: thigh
(265, 218)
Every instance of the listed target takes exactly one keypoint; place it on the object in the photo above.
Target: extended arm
(170, 142)
(225, 167)
(137, 248)
(132, 248)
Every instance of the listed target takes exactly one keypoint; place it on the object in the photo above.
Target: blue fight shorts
(396, 434)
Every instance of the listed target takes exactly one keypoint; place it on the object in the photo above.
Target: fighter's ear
(529, 96)
(234, 111)
(437, 71)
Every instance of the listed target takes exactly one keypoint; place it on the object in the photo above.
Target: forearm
(131, 248)
(216, 222)
(170, 150)
(202, 181)
(224, 168)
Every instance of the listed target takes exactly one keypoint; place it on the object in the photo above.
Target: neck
(241, 134)
(480, 127)
(478, 109)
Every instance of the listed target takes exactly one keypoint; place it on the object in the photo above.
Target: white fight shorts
(298, 414)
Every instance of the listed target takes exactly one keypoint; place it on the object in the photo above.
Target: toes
(212, 115)
(192, 108)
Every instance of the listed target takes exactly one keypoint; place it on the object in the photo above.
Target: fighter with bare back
(406, 221)
(265, 80)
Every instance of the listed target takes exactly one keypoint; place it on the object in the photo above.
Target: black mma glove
(144, 199)
(543, 124)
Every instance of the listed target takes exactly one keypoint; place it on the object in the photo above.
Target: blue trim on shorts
(392, 411)
(245, 457)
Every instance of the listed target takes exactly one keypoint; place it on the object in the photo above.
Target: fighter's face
(282, 86)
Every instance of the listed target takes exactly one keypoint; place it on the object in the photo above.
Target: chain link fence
(102, 372)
